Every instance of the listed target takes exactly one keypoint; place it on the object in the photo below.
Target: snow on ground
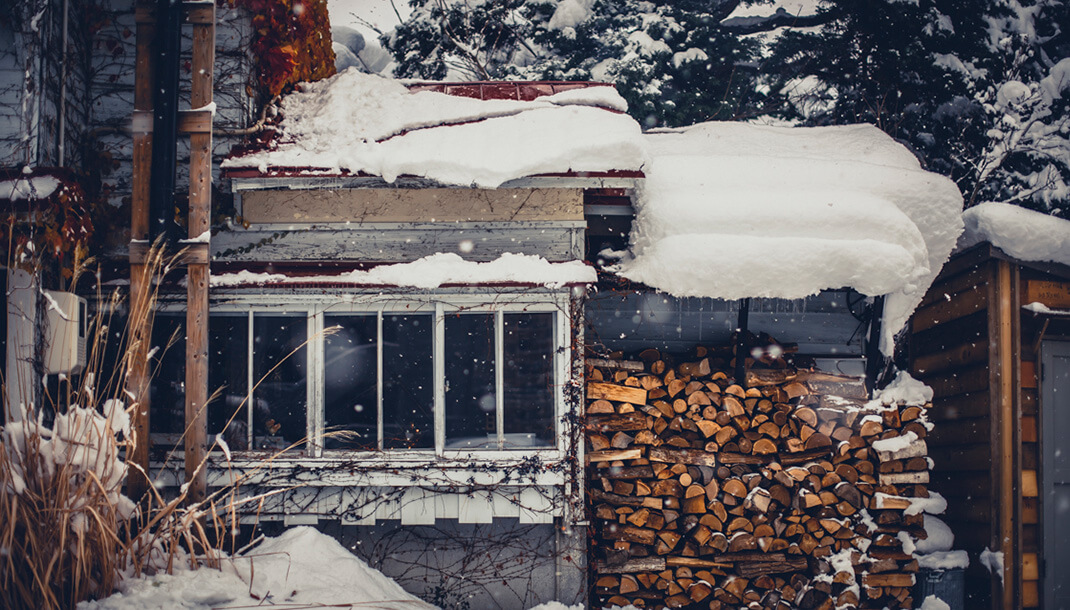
(436, 270)
(365, 123)
(731, 210)
(1021, 233)
(300, 568)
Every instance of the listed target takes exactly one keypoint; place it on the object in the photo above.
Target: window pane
(228, 378)
(470, 403)
(168, 362)
(528, 374)
(350, 401)
(280, 377)
(408, 382)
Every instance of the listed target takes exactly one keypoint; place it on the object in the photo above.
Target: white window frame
(316, 308)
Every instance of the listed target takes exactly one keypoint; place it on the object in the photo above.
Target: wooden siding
(1034, 286)
(411, 205)
(399, 242)
(44, 72)
(977, 348)
(111, 89)
(950, 352)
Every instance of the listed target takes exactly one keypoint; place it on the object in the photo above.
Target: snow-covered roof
(1021, 233)
(727, 210)
(366, 124)
(732, 210)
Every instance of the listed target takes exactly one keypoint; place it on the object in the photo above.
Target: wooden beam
(137, 382)
(1004, 371)
(194, 121)
(200, 201)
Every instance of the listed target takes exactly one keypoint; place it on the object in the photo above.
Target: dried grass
(66, 532)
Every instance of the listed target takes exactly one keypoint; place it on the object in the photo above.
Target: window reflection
(471, 414)
(228, 378)
(528, 374)
(279, 372)
(350, 399)
(168, 363)
(408, 382)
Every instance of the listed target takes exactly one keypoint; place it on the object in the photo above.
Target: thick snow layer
(303, 565)
(365, 123)
(904, 390)
(300, 568)
(732, 210)
(203, 589)
(1021, 233)
(1038, 307)
(436, 270)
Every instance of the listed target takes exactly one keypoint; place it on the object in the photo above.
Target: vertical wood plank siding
(950, 352)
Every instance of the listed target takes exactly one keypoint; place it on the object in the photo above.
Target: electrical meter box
(66, 334)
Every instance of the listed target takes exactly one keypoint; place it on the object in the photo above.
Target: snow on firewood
(905, 390)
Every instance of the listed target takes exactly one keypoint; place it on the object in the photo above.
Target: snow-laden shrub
(62, 512)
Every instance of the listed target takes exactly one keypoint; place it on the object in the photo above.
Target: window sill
(371, 469)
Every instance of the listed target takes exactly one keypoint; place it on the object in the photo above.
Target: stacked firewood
(708, 493)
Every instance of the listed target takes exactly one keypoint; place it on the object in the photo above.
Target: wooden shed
(992, 338)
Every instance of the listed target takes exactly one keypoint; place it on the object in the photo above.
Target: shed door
(1055, 405)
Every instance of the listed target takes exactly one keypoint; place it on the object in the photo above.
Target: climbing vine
(49, 218)
(292, 43)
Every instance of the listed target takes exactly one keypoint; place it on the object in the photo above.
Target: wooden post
(202, 16)
(1004, 387)
(137, 383)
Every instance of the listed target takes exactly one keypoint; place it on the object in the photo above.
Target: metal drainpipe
(165, 120)
(874, 357)
(741, 342)
(61, 146)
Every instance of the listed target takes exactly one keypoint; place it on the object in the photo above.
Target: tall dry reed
(67, 533)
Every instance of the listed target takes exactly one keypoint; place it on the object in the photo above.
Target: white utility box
(65, 341)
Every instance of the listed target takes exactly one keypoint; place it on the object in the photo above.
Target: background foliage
(978, 89)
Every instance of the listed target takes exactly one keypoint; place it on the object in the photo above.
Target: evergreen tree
(973, 88)
(978, 89)
(671, 60)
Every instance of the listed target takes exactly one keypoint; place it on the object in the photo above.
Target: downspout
(165, 120)
(874, 357)
(741, 342)
(61, 146)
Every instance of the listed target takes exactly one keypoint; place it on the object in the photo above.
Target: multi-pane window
(426, 377)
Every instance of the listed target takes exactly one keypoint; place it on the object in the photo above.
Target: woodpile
(705, 493)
